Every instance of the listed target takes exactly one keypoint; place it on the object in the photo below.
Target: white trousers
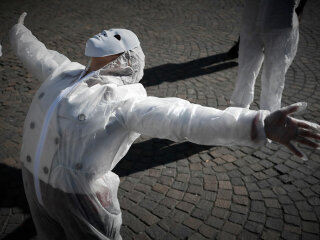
(276, 50)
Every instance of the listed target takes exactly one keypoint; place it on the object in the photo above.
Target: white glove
(21, 18)
(281, 128)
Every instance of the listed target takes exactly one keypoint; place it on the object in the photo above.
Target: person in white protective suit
(269, 35)
(82, 121)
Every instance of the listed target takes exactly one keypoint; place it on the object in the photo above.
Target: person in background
(269, 35)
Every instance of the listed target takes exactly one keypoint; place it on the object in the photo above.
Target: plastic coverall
(269, 34)
(70, 186)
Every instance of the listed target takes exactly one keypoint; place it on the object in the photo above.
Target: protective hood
(110, 42)
(126, 69)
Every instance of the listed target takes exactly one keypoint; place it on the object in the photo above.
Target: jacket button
(45, 170)
(56, 141)
(32, 125)
(28, 158)
(78, 166)
(41, 95)
(81, 117)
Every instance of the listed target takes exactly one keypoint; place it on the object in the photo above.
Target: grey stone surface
(174, 190)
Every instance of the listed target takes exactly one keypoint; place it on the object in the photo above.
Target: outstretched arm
(177, 119)
(40, 61)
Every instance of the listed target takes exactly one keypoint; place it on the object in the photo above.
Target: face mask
(110, 42)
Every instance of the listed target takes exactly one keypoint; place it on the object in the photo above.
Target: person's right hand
(21, 18)
(281, 128)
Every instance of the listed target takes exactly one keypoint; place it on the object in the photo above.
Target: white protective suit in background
(78, 128)
(269, 35)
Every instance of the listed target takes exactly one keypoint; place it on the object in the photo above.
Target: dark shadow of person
(155, 152)
(13, 197)
(172, 72)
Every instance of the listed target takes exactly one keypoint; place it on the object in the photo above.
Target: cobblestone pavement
(175, 190)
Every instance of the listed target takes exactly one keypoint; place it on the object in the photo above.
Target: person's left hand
(281, 128)
(21, 18)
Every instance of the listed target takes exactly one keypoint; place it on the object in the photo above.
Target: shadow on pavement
(155, 152)
(142, 156)
(173, 72)
(13, 197)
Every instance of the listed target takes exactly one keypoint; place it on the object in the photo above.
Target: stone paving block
(175, 194)
(144, 215)
(208, 231)
(182, 177)
(225, 185)
(263, 184)
(215, 222)
(179, 185)
(314, 201)
(178, 215)
(222, 203)
(196, 181)
(148, 204)
(237, 218)
(194, 189)
(295, 196)
(166, 223)
(242, 200)
(161, 211)
(232, 228)
(142, 236)
(224, 235)
(165, 180)
(196, 236)
(208, 195)
(258, 206)
(239, 208)
(155, 232)
(268, 193)
(274, 223)
(200, 213)
(204, 204)
(246, 170)
(246, 235)
(222, 176)
(133, 223)
(191, 198)
(308, 216)
(160, 188)
(224, 194)
(236, 181)
(169, 202)
(240, 190)
(184, 206)
(310, 227)
(220, 212)
(272, 203)
(270, 235)
(193, 223)
(155, 196)
(135, 196)
(303, 206)
(310, 236)
(181, 231)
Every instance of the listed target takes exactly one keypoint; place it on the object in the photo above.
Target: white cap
(110, 42)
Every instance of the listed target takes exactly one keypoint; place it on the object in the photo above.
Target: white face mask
(110, 42)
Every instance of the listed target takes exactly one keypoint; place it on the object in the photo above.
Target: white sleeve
(177, 119)
(40, 61)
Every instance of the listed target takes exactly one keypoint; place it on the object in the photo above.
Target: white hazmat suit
(269, 35)
(78, 128)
